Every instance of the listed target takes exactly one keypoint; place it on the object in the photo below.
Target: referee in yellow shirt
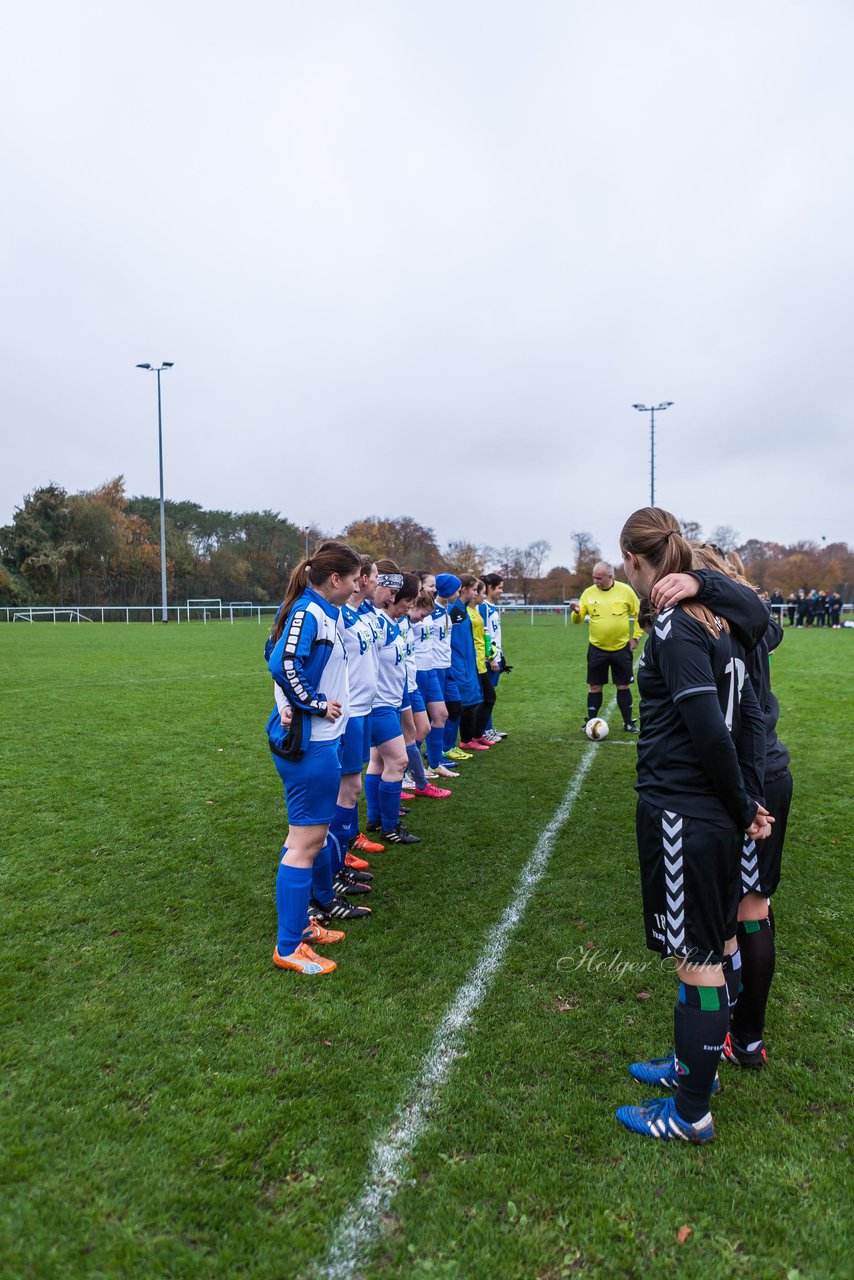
(612, 608)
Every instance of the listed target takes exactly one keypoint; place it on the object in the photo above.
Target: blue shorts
(448, 685)
(416, 700)
(311, 784)
(385, 725)
(356, 744)
(429, 686)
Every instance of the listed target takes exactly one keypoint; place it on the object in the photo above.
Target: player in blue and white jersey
(384, 779)
(307, 659)
(361, 636)
(701, 756)
(420, 651)
(491, 614)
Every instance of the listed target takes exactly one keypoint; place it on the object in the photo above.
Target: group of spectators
(809, 608)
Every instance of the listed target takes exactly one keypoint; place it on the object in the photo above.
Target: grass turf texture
(173, 1106)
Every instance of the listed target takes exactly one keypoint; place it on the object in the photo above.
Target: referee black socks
(594, 704)
(700, 1024)
(624, 702)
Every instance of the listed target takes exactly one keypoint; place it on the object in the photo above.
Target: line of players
(369, 664)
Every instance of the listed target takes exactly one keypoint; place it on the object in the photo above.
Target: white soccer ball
(596, 729)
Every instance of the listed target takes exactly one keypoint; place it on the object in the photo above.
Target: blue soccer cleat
(658, 1118)
(663, 1072)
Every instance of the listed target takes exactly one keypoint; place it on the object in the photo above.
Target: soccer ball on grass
(596, 729)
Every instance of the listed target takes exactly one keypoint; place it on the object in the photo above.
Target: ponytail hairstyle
(366, 563)
(425, 600)
(409, 590)
(329, 558)
(493, 579)
(468, 580)
(656, 535)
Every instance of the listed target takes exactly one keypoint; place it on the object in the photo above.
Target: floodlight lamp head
(167, 364)
(143, 366)
(642, 408)
(665, 404)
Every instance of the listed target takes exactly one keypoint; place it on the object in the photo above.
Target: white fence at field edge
(220, 611)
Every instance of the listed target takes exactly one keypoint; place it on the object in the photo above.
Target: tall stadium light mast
(642, 408)
(167, 364)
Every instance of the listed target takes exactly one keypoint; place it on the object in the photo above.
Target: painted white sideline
(361, 1223)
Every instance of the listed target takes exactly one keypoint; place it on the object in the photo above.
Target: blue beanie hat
(447, 584)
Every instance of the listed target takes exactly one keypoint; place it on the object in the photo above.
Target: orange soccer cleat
(317, 934)
(364, 845)
(304, 960)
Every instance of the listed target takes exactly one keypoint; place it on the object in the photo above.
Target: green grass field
(173, 1106)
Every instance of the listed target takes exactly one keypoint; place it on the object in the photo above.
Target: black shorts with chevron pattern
(761, 860)
(690, 883)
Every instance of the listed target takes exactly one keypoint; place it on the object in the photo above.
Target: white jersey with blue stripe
(361, 636)
(407, 630)
(492, 625)
(391, 672)
(441, 636)
(336, 687)
(423, 632)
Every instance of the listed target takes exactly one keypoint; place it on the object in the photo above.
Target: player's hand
(573, 606)
(633, 643)
(493, 665)
(333, 710)
(286, 715)
(760, 827)
(672, 588)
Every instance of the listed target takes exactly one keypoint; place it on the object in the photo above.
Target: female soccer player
(487, 688)
(491, 614)
(394, 594)
(420, 650)
(716, 582)
(693, 810)
(464, 663)
(308, 662)
(447, 594)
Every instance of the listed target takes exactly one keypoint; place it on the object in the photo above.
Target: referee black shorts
(601, 661)
(690, 883)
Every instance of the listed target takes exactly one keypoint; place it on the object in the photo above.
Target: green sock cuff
(751, 926)
(710, 998)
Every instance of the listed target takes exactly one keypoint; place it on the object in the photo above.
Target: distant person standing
(612, 608)
(835, 609)
(792, 607)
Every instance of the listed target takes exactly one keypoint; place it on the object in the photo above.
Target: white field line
(361, 1222)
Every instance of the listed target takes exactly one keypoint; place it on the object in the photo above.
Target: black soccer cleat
(401, 836)
(344, 885)
(337, 909)
(754, 1059)
(630, 726)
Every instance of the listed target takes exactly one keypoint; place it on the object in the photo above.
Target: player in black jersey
(714, 582)
(700, 756)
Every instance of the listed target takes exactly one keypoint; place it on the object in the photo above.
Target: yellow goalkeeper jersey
(613, 615)
(478, 637)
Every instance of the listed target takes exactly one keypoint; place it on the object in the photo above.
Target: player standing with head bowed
(308, 662)
(394, 593)
(693, 810)
(491, 614)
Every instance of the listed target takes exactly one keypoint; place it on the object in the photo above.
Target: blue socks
(372, 796)
(450, 733)
(341, 827)
(321, 874)
(435, 741)
(389, 798)
(416, 766)
(293, 889)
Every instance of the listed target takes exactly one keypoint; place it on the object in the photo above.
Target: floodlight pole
(167, 364)
(642, 408)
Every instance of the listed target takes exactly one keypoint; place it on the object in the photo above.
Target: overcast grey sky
(422, 258)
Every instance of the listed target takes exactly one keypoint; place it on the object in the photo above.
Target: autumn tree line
(102, 547)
